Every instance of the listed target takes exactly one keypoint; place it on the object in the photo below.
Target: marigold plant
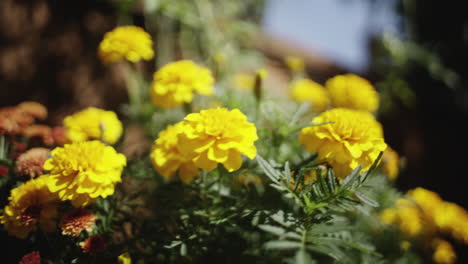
(167, 157)
(308, 91)
(30, 205)
(352, 91)
(177, 82)
(344, 138)
(126, 42)
(218, 136)
(93, 123)
(83, 171)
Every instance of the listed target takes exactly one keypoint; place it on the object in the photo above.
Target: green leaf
(273, 229)
(302, 257)
(351, 178)
(273, 174)
(365, 199)
(282, 244)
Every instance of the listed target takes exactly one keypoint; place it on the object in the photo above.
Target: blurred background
(415, 52)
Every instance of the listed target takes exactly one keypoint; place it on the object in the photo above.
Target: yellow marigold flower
(405, 215)
(126, 42)
(83, 171)
(446, 216)
(390, 163)
(295, 64)
(218, 136)
(352, 91)
(176, 83)
(443, 252)
(124, 258)
(93, 123)
(30, 204)
(428, 201)
(349, 138)
(167, 158)
(308, 91)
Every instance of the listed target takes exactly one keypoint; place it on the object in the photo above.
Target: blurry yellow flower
(308, 91)
(352, 91)
(126, 42)
(93, 123)
(30, 204)
(443, 252)
(218, 136)
(350, 138)
(295, 64)
(405, 215)
(244, 81)
(446, 216)
(167, 158)
(176, 83)
(83, 171)
(390, 163)
(124, 258)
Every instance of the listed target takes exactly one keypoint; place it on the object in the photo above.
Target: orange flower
(77, 220)
(31, 162)
(93, 245)
(39, 131)
(33, 109)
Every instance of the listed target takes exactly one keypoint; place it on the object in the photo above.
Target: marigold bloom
(31, 258)
(31, 162)
(349, 138)
(308, 91)
(30, 204)
(83, 171)
(443, 252)
(43, 132)
(390, 163)
(126, 42)
(218, 136)
(13, 120)
(33, 109)
(446, 216)
(94, 244)
(295, 64)
(406, 216)
(93, 123)
(76, 221)
(167, 158)
(352, 91)
(176, 83)
(124, 258)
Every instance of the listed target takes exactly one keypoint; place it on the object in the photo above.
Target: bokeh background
(414, 51)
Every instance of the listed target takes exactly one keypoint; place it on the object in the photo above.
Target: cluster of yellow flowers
(424, 213)
(80, 172)
(342, 91)
(202, 141)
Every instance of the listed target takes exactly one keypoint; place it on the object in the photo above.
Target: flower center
(31, 214)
